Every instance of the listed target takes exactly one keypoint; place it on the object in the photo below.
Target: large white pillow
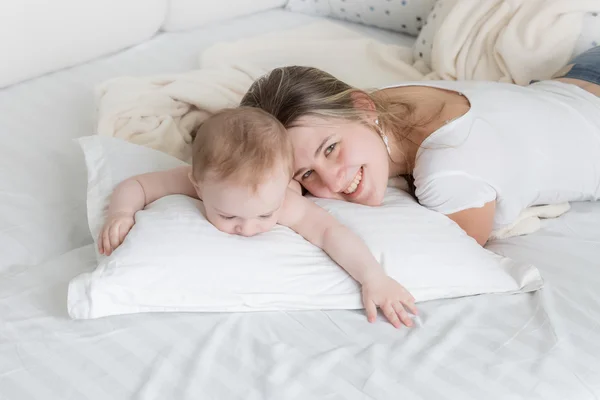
(174, 260)
(189, 14)
(37, 37)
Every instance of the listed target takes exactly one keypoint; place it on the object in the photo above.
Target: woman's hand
(116, 227)
(393, 299)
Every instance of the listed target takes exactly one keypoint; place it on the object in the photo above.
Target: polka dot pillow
(590, 33)
(406, 16)
(424, 43)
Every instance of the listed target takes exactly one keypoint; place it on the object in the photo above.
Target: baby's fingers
(106, 241)
(371, 309)
(123, 231)
(391, 314)
(402, 314)
(114, 236)
(410, 306)
(100, 244)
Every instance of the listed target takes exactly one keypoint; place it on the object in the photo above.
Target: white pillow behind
(175, 260)
(190, 14)
(406, 16)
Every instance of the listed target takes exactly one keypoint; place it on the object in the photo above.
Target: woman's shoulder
(467, 145)
(458, 86)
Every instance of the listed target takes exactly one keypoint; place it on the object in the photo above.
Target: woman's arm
(477, 222)
(458, 190)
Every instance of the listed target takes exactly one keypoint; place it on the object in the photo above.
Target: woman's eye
(225, 217)
(306, 174)
(329, 149)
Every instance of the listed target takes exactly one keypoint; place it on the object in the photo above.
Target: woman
(479, 152)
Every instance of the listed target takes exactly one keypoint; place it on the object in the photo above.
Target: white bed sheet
(544, 345)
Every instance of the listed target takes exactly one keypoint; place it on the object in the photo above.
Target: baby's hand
(116, 227)
(391, 297)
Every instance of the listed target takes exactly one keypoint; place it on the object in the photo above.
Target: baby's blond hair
(245, 144)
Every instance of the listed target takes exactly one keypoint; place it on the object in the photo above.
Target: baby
(242, 167)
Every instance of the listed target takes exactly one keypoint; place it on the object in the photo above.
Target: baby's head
(242, 164)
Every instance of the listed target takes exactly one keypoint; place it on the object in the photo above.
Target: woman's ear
(197, 185)
(363, 102)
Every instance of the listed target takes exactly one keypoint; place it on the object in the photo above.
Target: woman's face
(340, 159)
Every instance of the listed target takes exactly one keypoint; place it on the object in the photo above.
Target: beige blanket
(162, 111)
(507, 40)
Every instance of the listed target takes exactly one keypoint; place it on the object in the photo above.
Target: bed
(543, 345)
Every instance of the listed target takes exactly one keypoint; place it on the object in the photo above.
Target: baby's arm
(133, 195)
(348, 250)
(137, 192)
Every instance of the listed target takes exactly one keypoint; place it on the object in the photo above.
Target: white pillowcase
(175, 260)
(406, 16)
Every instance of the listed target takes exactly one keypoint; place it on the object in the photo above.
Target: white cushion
(188, 14)
(37, 37)
(406, 16)
(174, 260)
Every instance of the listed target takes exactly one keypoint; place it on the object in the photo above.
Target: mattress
(542, 345)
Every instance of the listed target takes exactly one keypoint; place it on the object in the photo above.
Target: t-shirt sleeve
(454, 192)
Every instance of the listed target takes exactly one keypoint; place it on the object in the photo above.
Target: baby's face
(234, 208)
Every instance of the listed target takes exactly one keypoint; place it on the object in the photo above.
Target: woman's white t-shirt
(520, 146)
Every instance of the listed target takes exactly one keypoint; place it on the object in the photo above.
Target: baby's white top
(521, 146)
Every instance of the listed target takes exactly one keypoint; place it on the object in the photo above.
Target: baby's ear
(197, 185)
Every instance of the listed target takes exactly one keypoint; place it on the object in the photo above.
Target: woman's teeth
(352, 188)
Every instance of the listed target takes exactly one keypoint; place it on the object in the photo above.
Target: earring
(383, 136)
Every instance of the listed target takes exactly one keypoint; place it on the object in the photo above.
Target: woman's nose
(333, 177)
